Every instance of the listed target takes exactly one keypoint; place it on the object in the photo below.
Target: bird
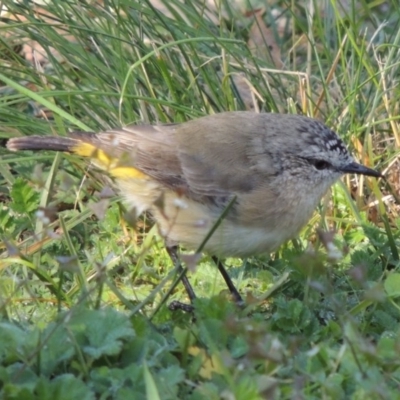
(268, 171)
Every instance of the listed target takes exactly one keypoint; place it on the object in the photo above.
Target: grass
(85, 286)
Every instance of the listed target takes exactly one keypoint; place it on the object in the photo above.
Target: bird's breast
(257, 223)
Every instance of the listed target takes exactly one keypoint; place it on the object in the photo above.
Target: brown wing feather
(197, 156)
(221, 167)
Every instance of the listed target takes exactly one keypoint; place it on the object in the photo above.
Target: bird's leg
(234, 292)
(177, 305)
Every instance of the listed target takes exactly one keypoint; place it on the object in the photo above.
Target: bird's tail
(37, 143)
(119, 163)
(84, 144)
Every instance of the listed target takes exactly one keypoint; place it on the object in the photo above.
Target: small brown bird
(274, 168)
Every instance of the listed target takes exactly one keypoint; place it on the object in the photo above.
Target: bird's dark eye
(320, 164)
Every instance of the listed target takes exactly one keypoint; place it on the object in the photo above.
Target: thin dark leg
(177, 305)
(234, 292)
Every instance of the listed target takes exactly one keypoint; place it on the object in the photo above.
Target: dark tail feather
(42, 143)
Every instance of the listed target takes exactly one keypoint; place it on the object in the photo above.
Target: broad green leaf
(63, 387)
(392, 284)
(24, 198)
(100, 332)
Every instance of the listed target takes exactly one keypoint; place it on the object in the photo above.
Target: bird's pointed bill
(355, 168)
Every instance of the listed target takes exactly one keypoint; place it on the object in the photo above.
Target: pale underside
(184, 221)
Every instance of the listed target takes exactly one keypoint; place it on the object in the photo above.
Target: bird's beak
(355, 168)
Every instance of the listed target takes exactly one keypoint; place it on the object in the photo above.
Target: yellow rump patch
(104, 161)
(88, 150)
(127, 172)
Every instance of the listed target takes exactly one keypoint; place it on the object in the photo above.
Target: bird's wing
(203, 157)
